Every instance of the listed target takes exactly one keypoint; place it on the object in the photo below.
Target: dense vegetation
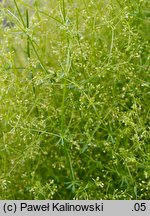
(74, 99)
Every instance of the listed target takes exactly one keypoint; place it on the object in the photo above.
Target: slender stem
(112, 45)
(19, 14)
(41, 63)
(29, 55)
(64, 11)
(28, 41)
(66, 70)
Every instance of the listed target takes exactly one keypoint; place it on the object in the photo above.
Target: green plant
(74, 100)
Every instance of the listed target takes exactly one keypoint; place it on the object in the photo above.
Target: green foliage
(74, 100)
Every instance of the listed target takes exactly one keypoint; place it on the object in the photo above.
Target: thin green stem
(19, 14)
(64, 11)
(29, 55)
(112, 45)
(39, 58)
(66, 70)
(28, 40)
